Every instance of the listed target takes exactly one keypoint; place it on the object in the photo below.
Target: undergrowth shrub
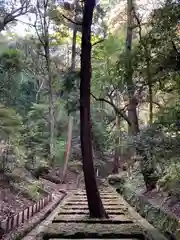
(170, 182)
(29, 190)
(161, 149)
(33, 190)
(38, 166)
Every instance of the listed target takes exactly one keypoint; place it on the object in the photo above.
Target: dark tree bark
(95, 205)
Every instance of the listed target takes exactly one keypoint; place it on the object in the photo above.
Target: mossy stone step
(105, 201)
(102, 197)
(79, 211)
(110, 190)
(83, 207)
(97, 230)
(106, 196)
(85, 204)
(98, 238)
(102, 194)
(122, 220)
(86, 216)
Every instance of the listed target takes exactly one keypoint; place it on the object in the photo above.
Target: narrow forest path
(70, 220)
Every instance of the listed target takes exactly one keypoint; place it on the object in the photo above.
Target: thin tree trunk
(68, 148)
(95, 205)
(132, 111)
(117, 147)
(73, 58)
(148, 72)
(133, 129)
(73, 66)
(51, 123)
(51, 98)
(149, 80)
(150, 104)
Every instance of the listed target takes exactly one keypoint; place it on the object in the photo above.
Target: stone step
(79, 211)
(125, 221)
(73, 222)
(85, 204)
(97, 230)
(86, 216)
(83, 207)
(85, 219)
(98, 238)
(106, 201)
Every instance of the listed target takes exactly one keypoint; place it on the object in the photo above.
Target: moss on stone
(62, 229)
(155, 215)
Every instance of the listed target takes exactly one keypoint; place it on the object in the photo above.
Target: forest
(93, 87)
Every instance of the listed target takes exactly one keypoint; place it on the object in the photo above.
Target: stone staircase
(73, 222)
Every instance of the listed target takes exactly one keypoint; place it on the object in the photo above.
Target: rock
(116, 179)
(40, 171)
(53, 179)
(21, 173)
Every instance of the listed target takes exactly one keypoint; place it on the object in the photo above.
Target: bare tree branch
(39, 89)
(41, 39)
(138, 24)
(76, 23)
(100, 41)
(15, 13)
(116, 109)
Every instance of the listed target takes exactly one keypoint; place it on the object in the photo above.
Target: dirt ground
(12, 202)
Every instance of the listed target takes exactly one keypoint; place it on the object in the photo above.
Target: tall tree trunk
(117, 147)
(149, 80)
(132, 111)
(133, 129)
(147, 53)
(50, 96)
(73, 56)
(51, 118)
(95, 205)
(73, 66)
(68, 148)
(73, 59)
(150, 103)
